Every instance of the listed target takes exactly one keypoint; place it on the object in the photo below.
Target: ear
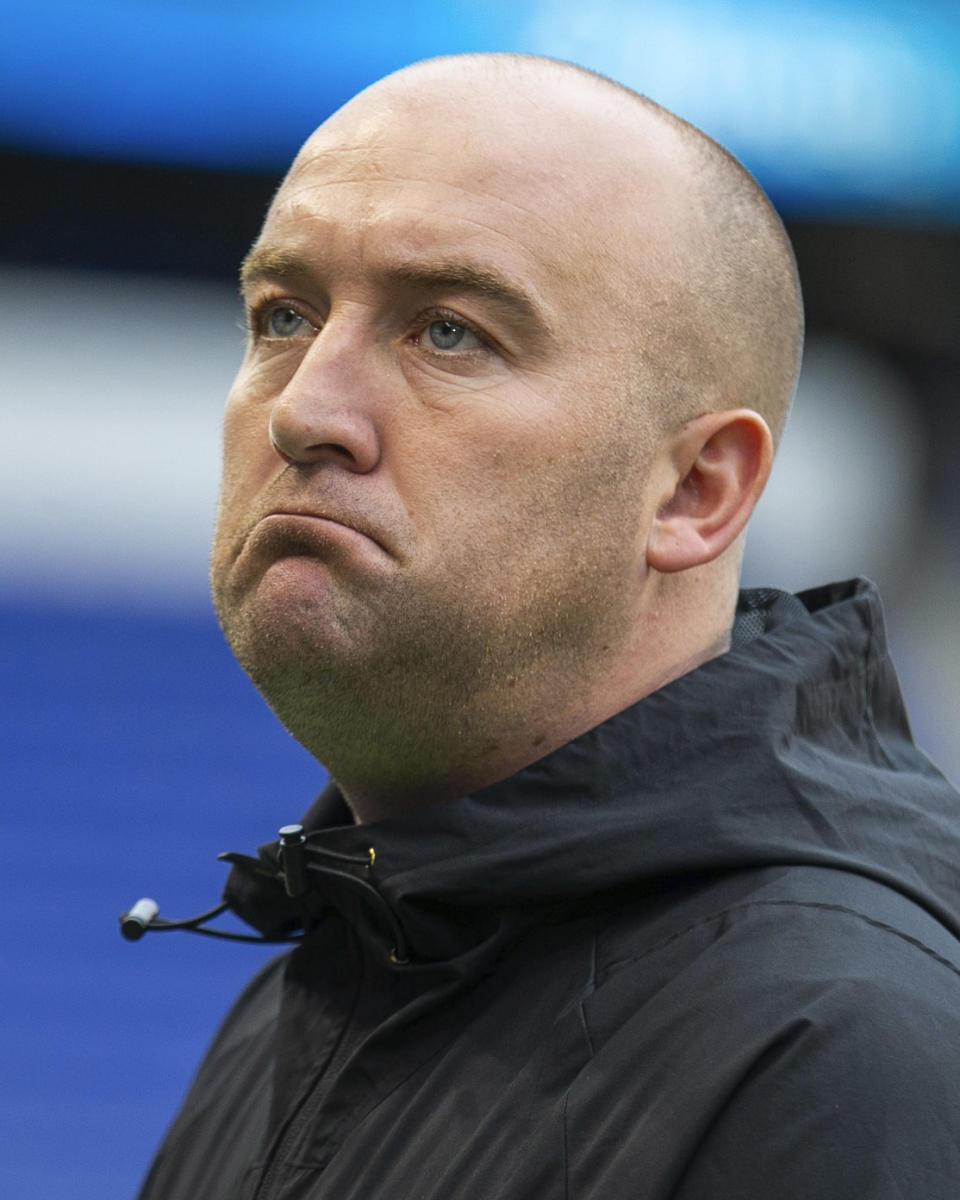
(718, 465)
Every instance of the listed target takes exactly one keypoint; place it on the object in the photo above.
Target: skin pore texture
(520, 345)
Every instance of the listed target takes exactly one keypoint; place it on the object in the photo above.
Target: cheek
(248, 457)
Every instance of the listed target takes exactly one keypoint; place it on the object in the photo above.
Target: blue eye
(446, 334)
(284, 323)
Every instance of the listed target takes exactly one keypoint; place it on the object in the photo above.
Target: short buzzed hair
(732, 334)
(743, 308)
(745, 299)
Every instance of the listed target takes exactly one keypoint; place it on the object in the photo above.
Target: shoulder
(789, 924)
(796, 1038)
(242, 1042)
(228, 1084)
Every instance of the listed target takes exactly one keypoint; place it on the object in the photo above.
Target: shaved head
(717, 316)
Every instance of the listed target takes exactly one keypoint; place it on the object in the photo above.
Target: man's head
(518, 340)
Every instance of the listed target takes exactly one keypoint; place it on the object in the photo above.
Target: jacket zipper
(310, 1105)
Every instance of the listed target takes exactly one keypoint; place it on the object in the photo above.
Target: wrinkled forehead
(570, 177)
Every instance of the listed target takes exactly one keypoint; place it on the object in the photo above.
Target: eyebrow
(267, 262)
(270, 263)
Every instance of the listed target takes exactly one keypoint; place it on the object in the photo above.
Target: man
(622, 887)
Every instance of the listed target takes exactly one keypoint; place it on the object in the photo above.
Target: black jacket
(706, 951)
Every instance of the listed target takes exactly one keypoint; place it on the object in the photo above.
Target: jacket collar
(793, 747)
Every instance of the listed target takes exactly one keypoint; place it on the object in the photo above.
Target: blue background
(135, 752)
(133, 748)
(837, 105)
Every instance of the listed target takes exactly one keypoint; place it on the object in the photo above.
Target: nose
(324, 413)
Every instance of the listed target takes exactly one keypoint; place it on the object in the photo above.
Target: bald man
(624, 885)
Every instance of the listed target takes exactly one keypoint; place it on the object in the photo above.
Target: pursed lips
(353, 524)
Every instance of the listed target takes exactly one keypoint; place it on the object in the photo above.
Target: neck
(446, 750)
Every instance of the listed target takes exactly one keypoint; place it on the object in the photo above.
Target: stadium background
(139, 145)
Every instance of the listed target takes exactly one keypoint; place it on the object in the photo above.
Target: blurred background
(140, 143)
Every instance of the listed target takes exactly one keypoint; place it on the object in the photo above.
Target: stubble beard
(405, 676)
(413, 684)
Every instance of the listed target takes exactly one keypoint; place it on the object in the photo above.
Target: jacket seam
(588, 990)
(822, 906)
(868, 677)
(566, 1146)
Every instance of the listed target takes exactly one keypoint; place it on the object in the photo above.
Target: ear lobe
(720, 463)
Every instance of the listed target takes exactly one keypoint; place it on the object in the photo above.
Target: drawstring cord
(296, 858)
(142, 918)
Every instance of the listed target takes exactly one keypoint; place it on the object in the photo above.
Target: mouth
(285, 533)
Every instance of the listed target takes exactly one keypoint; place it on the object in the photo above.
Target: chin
(273, 631)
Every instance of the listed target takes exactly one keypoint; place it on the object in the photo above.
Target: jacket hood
(791, 748)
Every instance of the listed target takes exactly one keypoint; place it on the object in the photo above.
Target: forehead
(469, 175)
(362, 205)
